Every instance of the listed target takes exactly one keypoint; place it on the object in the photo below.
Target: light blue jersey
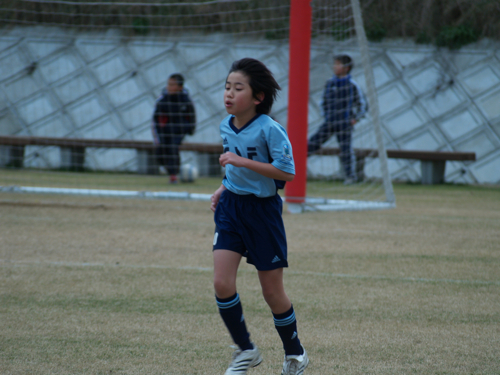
(264, 140)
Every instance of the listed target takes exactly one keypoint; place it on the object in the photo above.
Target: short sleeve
(280, 149)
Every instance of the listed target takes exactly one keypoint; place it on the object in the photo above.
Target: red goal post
(298, 95)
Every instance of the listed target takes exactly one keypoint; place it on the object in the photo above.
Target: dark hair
(178, 77)
(261, 80)
(345, 60)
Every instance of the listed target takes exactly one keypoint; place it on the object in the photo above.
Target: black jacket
(174, 114)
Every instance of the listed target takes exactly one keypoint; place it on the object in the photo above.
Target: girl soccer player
(248, 223)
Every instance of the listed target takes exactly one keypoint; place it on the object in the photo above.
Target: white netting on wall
(78, 70)
(79, 81)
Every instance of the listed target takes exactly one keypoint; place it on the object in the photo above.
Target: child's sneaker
(243, 360)
(295, 364)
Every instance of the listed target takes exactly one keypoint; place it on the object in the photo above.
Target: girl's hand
(215, 197)
(231, 158)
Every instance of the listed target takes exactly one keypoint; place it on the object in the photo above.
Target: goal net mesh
(80, 80)
(345, 140)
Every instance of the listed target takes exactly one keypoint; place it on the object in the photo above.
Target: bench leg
(432, 172)
(16, 157)
(73, 158)
(146, 162)
(11, 156)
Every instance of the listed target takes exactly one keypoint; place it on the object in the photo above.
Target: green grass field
(124, 286)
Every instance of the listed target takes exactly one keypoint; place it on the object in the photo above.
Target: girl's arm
(265, 169)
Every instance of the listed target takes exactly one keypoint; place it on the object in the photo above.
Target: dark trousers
(167, 153)
(343, 131)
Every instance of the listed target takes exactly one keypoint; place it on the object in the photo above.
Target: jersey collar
(236, 130)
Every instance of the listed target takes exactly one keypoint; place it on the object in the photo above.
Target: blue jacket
(343, 100)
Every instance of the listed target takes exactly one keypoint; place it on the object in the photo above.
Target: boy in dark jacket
(173, 118)
(343, 105)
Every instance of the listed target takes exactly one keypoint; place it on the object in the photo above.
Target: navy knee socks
(231, 311)
(286, 325)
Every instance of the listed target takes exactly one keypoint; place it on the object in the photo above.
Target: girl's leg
(226, 264)
(225, 269)
(273, 290)
(282, 309)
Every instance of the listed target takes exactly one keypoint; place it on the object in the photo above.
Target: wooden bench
(73, 151)
(433, 163)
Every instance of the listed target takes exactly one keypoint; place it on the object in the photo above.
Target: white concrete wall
(93, 86)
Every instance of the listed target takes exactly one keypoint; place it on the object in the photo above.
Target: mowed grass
(116, 286)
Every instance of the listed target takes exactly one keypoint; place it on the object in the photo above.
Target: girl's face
(238, 96)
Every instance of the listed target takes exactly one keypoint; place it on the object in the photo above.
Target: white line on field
(289, 272)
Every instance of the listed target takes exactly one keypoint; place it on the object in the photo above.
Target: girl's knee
(271, 294)
(277, 301)
(224, 288)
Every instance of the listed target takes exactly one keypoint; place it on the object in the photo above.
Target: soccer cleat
(295, 364)
(243, 360)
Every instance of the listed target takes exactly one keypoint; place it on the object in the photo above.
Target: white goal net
(79, 81)
(347, 166)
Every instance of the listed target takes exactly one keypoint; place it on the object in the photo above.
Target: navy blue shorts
(253, 227)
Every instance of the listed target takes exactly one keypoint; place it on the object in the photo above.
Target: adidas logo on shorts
(276, 259)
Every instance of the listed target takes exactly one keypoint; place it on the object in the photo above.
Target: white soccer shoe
(243, 360)
(295, 364)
